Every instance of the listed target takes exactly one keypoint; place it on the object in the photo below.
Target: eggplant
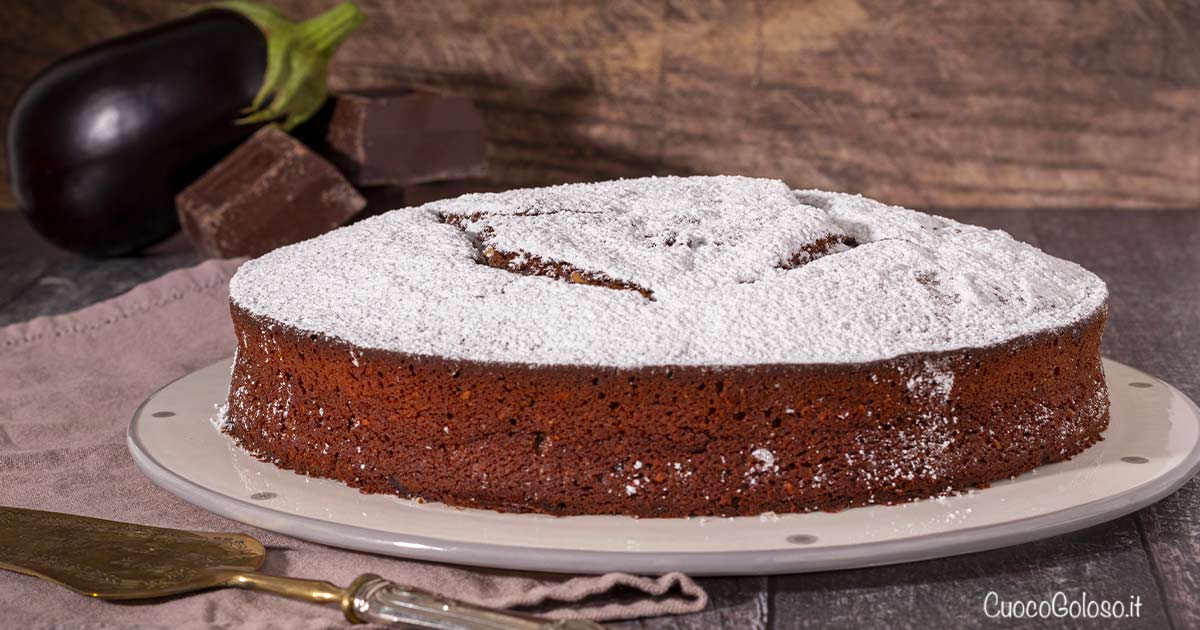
(100, 143)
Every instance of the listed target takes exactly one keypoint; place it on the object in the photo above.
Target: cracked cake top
(666, 271)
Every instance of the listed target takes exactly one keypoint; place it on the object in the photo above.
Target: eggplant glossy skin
(100, 142)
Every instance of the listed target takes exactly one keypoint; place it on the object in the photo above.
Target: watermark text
(1061, 605)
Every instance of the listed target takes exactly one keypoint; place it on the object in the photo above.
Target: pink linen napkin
(68, 386)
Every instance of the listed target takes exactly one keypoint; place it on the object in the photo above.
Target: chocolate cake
(665, 347)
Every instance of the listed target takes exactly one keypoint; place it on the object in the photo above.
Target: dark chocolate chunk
(402, 138)
(269, 192)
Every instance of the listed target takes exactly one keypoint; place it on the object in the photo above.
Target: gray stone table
(1151, 261)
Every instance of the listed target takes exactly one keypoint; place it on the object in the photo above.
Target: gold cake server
(113, 560)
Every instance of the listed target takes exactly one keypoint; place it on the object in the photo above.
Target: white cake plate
(1150, 450)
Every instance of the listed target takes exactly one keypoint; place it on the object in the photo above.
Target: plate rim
(782, 560)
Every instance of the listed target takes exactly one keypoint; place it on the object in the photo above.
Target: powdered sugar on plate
(735, 271)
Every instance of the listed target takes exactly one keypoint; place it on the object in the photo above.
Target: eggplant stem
(298, 53)
(326, 31)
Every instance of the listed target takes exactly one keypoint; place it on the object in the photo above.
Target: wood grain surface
(1151, 262)
(1024, 104)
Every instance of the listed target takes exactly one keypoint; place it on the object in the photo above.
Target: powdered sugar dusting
(737, 271)
(933, 381)
(765, 458)
(221, 418)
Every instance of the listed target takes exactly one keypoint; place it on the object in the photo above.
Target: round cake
(665, 347)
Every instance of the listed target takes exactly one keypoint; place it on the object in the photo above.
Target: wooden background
(931, 104)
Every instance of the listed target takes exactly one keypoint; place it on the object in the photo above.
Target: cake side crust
(665, 441)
